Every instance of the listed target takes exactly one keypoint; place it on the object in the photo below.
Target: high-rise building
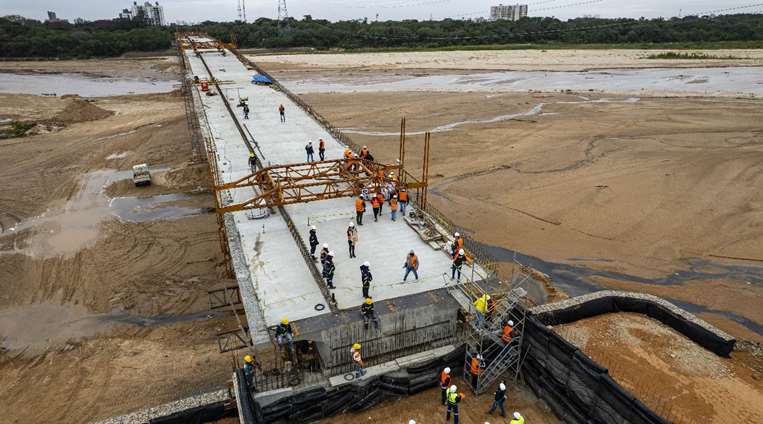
(512, 13)
(151, 14)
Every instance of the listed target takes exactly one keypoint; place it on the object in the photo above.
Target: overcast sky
(226, 10)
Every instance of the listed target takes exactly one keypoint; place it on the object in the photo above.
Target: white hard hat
(457, 235)
(331, 253)
(394, 197)
(453, 388)
(325, 245)
(517, 415)
(479, 357)
(309, 141)
(312, 227)
(411, 422)
(366, 263)
(447, 370)
(352, 224)
(511, 323)
(461, 251)
(502, 386)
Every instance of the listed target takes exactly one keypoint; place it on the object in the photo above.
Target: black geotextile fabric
(576, 388)
(320, 402)
(198, 415)
(245, 401)
(604, 305)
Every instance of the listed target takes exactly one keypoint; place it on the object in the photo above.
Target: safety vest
(360, 205)
(403, 196)
(444, 379)
(347, 154)
(356, 357)
(481, 304)
(460, 243)
(375, 203)
(380, 197)
(414, 262)
(322, 145)
(506, 337)
(453, 398)
(393, 204)
(521, 420)
(475, 366)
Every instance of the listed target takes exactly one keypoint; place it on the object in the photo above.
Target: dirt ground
(103, 303)
(158, 67)
(669, 373)
(425, 408)
(517, 60)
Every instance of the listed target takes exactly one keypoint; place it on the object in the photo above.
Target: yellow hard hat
(251, 154)
(368, 301)
(284, 321)
(248, 358)
(356, 346)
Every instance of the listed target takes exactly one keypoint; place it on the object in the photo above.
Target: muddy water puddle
(35, 328)
(80, 84)
(65, 230)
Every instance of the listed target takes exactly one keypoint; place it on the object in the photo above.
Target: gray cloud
(223, 10)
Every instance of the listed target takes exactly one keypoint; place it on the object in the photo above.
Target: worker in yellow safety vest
(518, 419)
(481, 306)
(453, 399)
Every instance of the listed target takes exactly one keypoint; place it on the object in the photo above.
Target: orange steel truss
(307, 182)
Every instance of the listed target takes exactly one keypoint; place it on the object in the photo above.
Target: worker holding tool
(367, 311)
(518, 419)
(328, 269)
(411, 265)
(498, 399)
(453, 399)
(310, 151)
(352, 238)
(393, 204)
(444, 384)
(321, 149)
(366, 278)
(357, 360)
(360, 209)
(313, 241)
(284, 334)
(458, 262)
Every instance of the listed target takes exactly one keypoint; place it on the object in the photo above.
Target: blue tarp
(261, 79)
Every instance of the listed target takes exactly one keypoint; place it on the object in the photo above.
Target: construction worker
(402, 196)
(328, 269)
(364, 152)
(252, 161)
(352, 238)
(313, 239)
(453, 399)
(380, 198)
(393, 204)
(357, 361)
(506, 328)
(246, 111)
(284, 333)
(458, 262)
(458, 244)
(498, 399)
(360, 209)
(367, 311)
(376, 206)
(366, 278)
(411, 265)
(310, 151)
(444, 384)
(476, 367)
(518, 419)
(282, 112)
(347, 154)
(321, 149)
(324, 253)
(481, 306)
(249, 366)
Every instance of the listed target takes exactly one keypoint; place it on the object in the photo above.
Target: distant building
(150, 14)
(79, 21)
(52, 17)
(512, 13)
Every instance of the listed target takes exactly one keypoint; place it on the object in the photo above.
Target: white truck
(140, 175)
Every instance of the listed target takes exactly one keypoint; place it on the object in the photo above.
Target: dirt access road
(103, 305)
(649, 194)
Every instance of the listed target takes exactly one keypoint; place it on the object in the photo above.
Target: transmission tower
(242, 10)
(283, 14)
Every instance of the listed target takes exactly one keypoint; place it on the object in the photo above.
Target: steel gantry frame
(307, 182)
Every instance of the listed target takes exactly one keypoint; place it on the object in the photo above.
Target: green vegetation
(689, 56)
(26, 38)
(15, 129)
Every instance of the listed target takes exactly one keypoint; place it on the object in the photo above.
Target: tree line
(28, 38)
